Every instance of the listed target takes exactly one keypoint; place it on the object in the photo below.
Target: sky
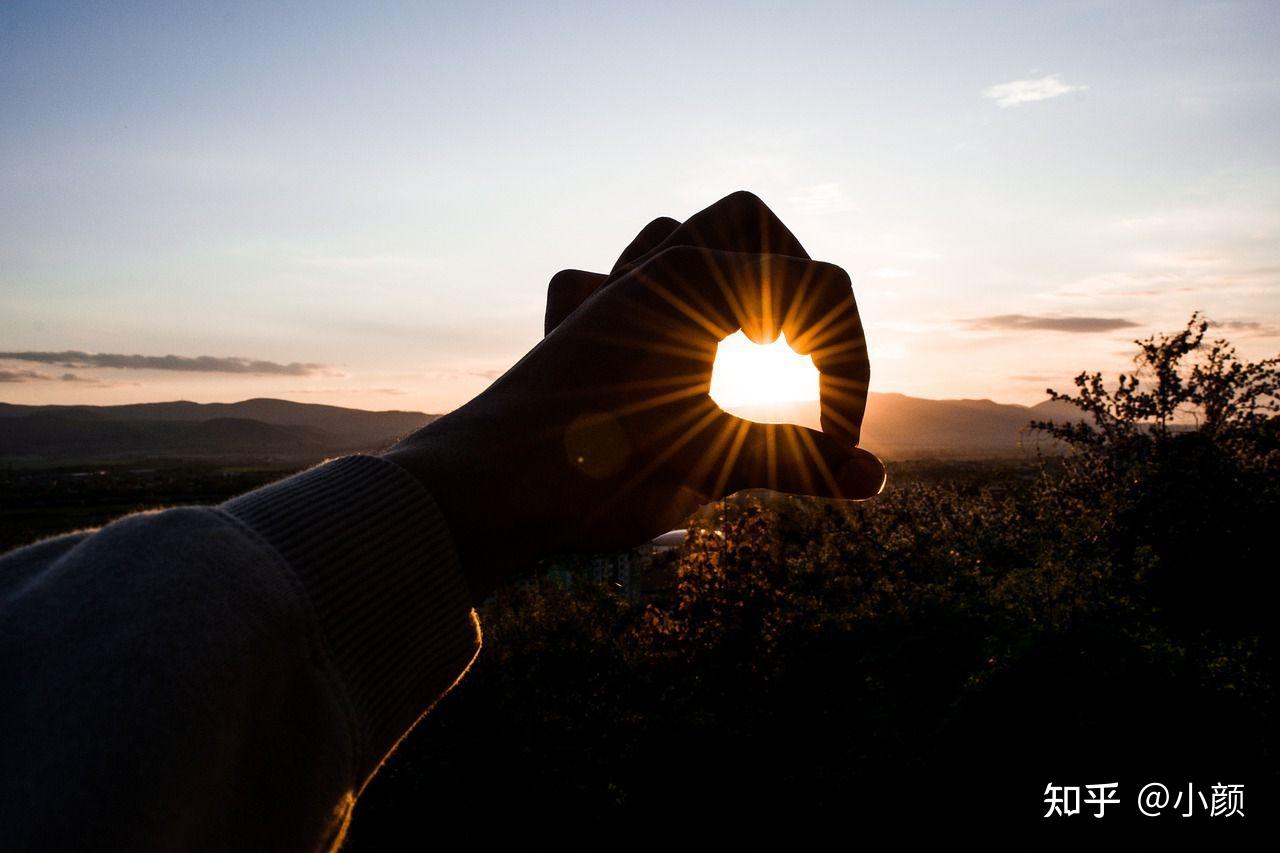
(361, 204)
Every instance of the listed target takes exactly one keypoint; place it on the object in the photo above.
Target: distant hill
(896, 427)
(900, 427)
(260, 429)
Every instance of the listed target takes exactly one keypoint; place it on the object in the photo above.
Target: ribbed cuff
(377, 561)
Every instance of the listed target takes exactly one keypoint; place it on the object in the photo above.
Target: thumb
(568, 289)
(565, 292)
(794, 459)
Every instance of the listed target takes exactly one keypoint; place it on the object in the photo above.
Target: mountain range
(900, 427)
(259, 430)
(284, 432)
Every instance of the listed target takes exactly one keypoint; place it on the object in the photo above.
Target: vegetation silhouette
(940, 653)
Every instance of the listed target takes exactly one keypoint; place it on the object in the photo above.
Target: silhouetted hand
(604, 435)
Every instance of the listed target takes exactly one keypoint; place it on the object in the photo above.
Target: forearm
(227, 676)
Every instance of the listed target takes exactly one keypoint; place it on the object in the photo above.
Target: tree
(1181, 383)
(1172, 478)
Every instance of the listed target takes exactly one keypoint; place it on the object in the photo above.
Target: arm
(225, 677)
(232, 676)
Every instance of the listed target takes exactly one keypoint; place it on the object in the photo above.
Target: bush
(1173, 484)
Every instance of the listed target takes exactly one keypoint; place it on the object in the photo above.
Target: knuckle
(835, 277)
(744, 200)
(572, 284)
(561, 281)
(571, 276)
(662, 223)
(677, 257)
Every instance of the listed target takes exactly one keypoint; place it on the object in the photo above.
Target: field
(36, 503)
(942, 652)
(972, 635)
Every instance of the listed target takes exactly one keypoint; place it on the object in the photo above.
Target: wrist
(451, 465)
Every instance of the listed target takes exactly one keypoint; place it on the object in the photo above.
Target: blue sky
(377, 194)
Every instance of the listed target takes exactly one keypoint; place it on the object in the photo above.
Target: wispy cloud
(395, 392)
(389, 261)
(1247, 328)
(1036, 378)
(1175, 275)
(821, 198)
(453, 373)
(196, 364)
(892, 273)
(1017, 92)
(23, 376)
(37, 376)
(1027, 323)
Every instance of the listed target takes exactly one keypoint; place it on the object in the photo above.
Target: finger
(568, 289)
(648, 239)
(825, 324)
(565, 292)
(739, 222)
(699, 297)
(787, 458)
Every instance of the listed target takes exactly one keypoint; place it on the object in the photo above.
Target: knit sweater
(225, 677)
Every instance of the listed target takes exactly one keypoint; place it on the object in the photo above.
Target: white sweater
(225, 677)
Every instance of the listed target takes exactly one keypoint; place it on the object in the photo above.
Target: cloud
(455, 373)
(892, 272)
(398, 392)
(386, 262)
(1176, 275)
(821, 198)
(37, 376)
(1247, 328)
(1017, 92)
(1027, 323)
(23, 376)
(198, 364)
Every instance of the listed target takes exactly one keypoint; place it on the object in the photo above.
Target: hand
(604, 434)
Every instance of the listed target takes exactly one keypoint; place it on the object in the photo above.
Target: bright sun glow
(763, 382)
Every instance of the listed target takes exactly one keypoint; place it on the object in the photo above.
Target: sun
(764, 382)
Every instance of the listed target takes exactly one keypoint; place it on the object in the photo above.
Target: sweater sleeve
(225, 677)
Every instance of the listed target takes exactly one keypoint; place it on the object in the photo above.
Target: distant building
(630, 573)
